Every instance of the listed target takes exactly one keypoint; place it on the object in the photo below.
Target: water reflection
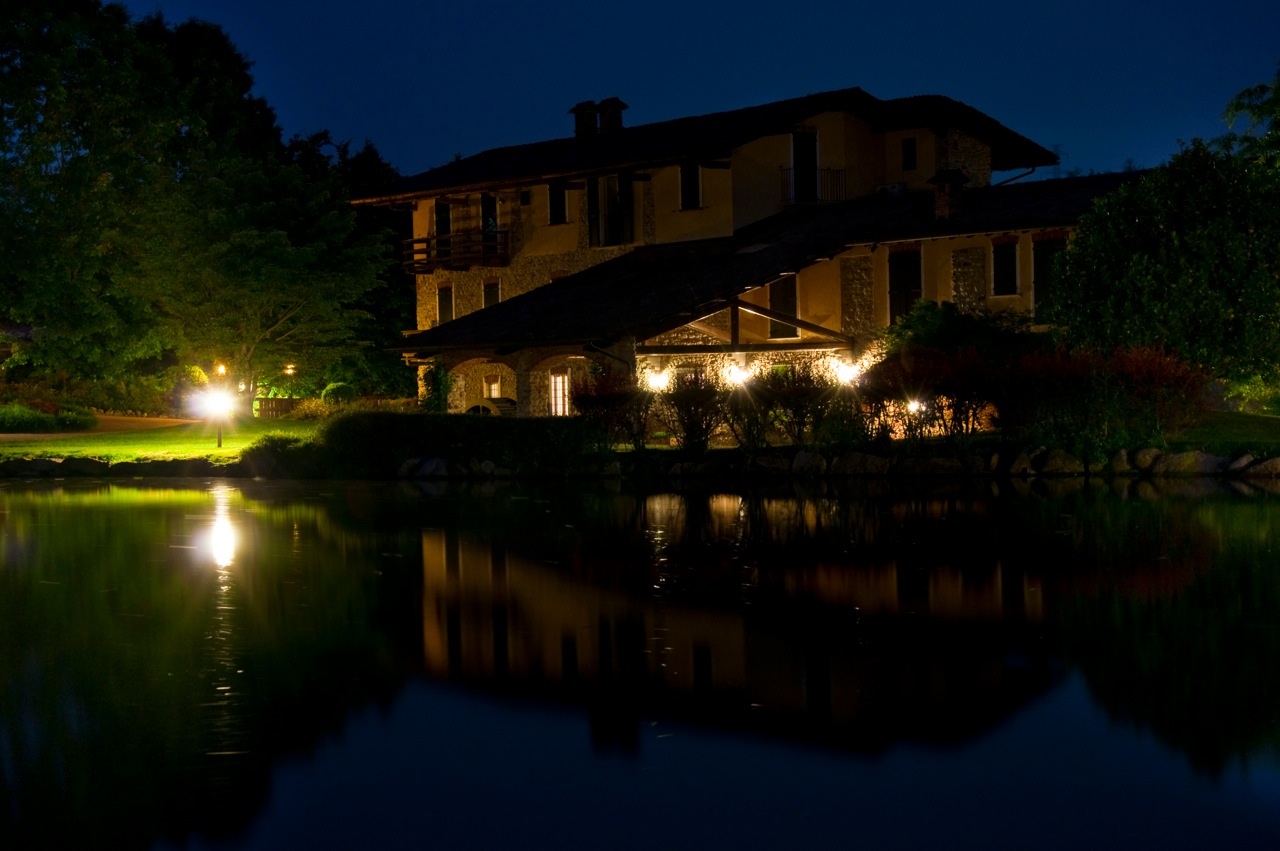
(166, 652)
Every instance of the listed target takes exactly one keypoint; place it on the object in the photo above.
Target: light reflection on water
(279, 665)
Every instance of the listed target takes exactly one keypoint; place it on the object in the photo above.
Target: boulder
(1057, 462)
(1194, 463)
(808, 463)
(1144, 458)
(1268, 469)
(85, 467)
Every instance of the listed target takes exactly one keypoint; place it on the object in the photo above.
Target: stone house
(725, 243)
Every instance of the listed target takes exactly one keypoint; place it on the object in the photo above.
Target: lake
(266, 665)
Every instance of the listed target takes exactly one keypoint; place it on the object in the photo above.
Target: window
(557, 205)
(782, 299)
(444, 304)
(492, 292)
(909, 153)
(1004, 268)
(905, 282)
(804, 166)
(690, 186)
(559, 394)
(492, 387)
(444, 227)
(1044, 254)
(610, 210)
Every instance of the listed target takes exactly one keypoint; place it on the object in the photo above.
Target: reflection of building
(770, 235)
(823, 643)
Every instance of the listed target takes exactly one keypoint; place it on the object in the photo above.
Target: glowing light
(290, 369)
(658, 381)
(222, 537)
(221, 369)
(847, 373)
(736, 375)
(216, 403)
(222, 541)
(913, 407)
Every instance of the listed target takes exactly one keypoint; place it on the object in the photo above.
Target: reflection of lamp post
(217, 405)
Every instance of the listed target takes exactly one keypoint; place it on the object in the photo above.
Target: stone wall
(962, 151)
(969, 279)
(524, 274)
(857, 296)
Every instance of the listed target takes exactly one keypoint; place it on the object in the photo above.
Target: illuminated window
(492, 387)
(1004, 268)
(559, 394)
(690, 186)
(444, 304)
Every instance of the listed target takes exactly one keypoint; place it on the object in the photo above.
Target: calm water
(275, 665)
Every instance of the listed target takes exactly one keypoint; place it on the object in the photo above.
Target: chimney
(610, 110)
(584, 119)
(948, 185)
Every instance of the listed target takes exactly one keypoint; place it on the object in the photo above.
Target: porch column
(524, 385)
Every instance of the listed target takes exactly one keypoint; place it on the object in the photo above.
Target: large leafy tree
(80, 151)
(155, 209)
(1188, 257)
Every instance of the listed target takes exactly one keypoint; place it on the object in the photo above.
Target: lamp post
(217, 405)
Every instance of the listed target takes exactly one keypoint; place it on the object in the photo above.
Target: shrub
(1092, 405)
(799, 398)
(691, 409)
(615, 406)
(18, 418)
(749, 416)
(338, 393)
(310, 409)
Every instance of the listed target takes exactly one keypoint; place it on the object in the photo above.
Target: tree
(79, 152)
(153, 214)
(1188, 257)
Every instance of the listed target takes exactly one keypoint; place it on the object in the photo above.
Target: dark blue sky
(1104, 82)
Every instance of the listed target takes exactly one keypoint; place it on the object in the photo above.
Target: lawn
(193, 440)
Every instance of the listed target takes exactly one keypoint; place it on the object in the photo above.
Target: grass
(193, 440)
(1233, 433)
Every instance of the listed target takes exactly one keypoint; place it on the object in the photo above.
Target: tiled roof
(712, 136)
(656, 288)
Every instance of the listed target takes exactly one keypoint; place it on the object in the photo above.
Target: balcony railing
(828, 186)
(460, 250)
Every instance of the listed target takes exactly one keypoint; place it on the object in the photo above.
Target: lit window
(492, 387)
(559, 394)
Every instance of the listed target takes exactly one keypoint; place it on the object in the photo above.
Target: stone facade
(857, 296)
(969, 279)
(961, 151)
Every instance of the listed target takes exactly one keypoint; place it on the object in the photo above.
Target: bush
(799, 398)
(1092, 405)
(338, 393)
(691, 409)
(17, 418)
(616, 407)
(310, 409)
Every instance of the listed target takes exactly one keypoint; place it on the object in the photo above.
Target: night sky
(1102, 82)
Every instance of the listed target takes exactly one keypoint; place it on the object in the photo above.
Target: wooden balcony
(828, 186)
(460, 250)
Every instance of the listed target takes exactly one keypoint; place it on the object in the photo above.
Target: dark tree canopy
(153, 214)
(1188, 257)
